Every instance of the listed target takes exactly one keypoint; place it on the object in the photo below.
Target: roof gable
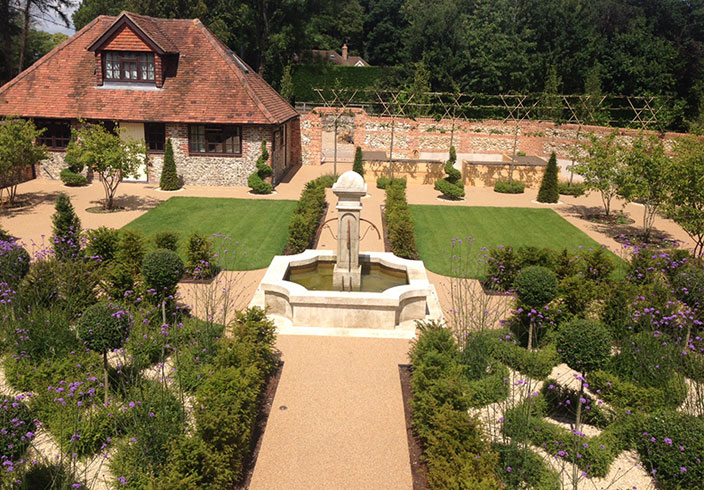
(131, 28)
(210, 84)
(125, 39)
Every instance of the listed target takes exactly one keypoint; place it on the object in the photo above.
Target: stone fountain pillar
(349, 189)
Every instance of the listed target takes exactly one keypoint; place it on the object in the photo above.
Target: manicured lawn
(255, 229)
(437, 226)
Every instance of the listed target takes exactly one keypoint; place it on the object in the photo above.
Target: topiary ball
(536, 286)
(14, 263)
(584, 345)
(162, 269)
(103, 327)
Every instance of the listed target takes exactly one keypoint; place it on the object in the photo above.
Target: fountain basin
(346, 309)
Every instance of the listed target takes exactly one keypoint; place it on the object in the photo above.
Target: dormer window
(126, 66)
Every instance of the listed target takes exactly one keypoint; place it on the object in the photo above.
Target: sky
(51, 23)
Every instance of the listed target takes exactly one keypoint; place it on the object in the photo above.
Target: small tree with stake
(536, 286)
(162, 269)
(548, 187)
(585, 346)
(451, 186)
(103, 328)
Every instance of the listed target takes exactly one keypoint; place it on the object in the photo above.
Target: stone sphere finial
(350, 180)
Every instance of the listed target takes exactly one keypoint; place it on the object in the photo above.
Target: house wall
(204, 170)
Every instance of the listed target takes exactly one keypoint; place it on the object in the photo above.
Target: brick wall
(425, 135)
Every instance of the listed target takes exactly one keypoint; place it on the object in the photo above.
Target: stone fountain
(347, 288)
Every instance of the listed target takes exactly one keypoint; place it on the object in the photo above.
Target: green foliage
(451, 186)
(537, 364)
(399, 222)
(536, 286)
(103, 243)
(66, 229)
(577, 292)
(384, 182)
(548, 186)
(70, 285)
(131, 250)
(14, 264)
(256, 179)
(200, 263)
(103, 327)
(506, 187)
(584, 345)
(167, 240)
(162, 270)
(616, 313)
(286, 85)
(18, 152)
(16, 421)
(169, 180)
(358, 165)
(43, 334)
(455, 451)
(72, 179)
(625, 394)
(567, 189)
(528, 470)
(306, 217)
(306, 78)
(117, 280)
(671, 446)
(106, 154)
(686, 201)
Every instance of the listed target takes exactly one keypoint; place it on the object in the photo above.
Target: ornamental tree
(536, 286)
(548, 186)
(601, 167)
(644, 178)
(18, 152)
(451, 186)
(358, 165)
(106, 154)
(584, 345)
(103, 328)
(685, 181)
(162, 270)
(169, 177)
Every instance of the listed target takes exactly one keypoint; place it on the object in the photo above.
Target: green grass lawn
(437, 226)
(255, 229)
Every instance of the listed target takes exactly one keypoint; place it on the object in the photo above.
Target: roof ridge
(136, 18)
(51, 53)
(220, 47)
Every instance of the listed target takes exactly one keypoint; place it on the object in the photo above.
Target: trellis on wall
(636, 112)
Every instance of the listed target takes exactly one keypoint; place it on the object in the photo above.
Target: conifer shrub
(131, 250)
(200, 259)
(67, 230)
(549, 191)
(358, 165)
(169, 180)
(451, 186)
(256, 179)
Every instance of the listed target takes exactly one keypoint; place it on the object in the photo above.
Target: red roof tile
(212, 84)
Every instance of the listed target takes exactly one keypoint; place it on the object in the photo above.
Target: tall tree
(45, 7)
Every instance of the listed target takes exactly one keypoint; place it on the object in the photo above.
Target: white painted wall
(136, 132)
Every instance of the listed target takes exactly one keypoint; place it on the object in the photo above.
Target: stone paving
(337, 420)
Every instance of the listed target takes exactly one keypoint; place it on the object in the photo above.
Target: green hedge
(628, 395)
(594, 455)
(306, 78)
(455, 450)
(522, 468)
(537, 364)
(506, 187)
(383, 182)
(576, 189)
(399, 222)
(72, 179)
(306, 217)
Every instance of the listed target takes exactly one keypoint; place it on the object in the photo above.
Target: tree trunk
(105, 369)
(577, 426)
(6, 73)
(530, 335)
(23, 47)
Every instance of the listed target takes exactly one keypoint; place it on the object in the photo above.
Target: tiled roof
(212, 84)
(337, 59)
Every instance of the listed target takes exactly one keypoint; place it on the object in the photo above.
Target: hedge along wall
(426, 135)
